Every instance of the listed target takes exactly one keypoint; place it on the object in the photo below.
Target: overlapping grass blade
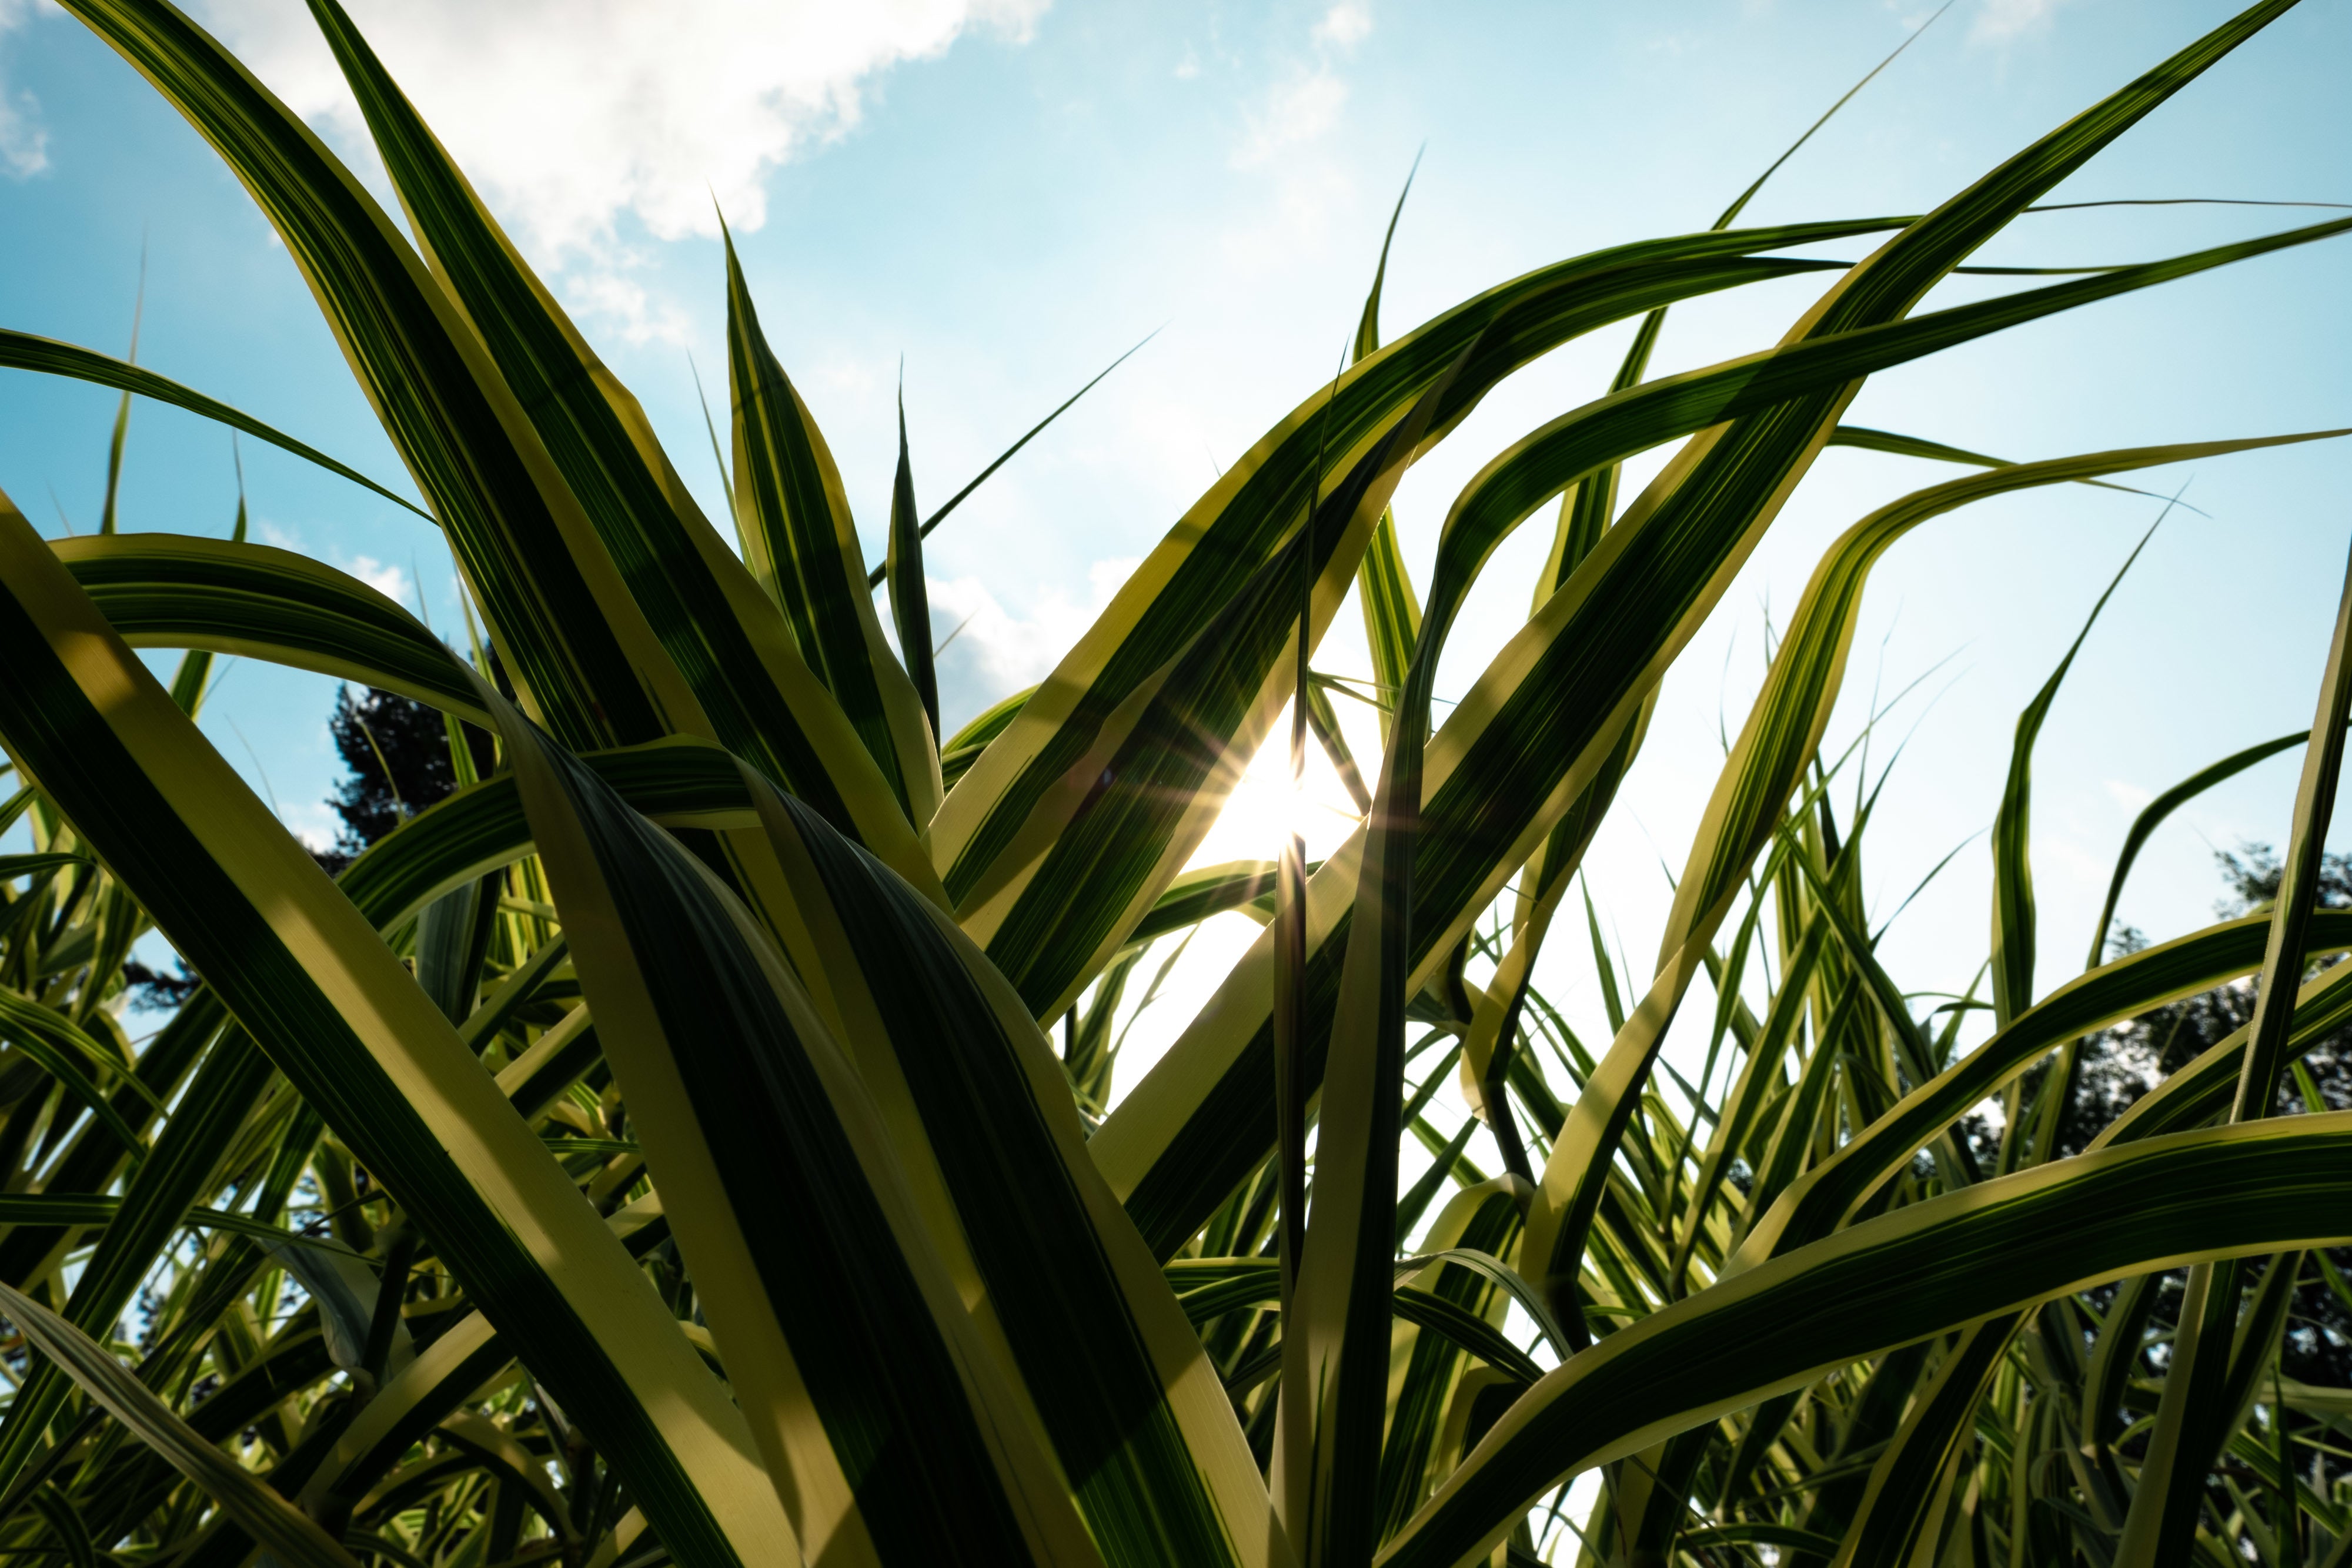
(571, 637)
(801, 544)
(2235, 1191)
(2205, 1087)
(154, 1206)
(320, 994)
(1911, 1483)
(1426, 1369)
(272, 1520)
(1564, 686)
(893, 1430)
(1233, 530)
(1777, 742)
(935, 1299)
(178, 591)
(1135, 806)
(26, 351)
(728, 642)
(981, 1117)
(2199, 1410)
(1832, 1189)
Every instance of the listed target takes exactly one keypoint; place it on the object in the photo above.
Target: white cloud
(997, 653)
(570, 113)
(1344, 26)
(1999, 21)
(24, 140)
(609, 292)
(2130, 797)
(312, 822)
(388, 580)
(1298, 110)
(1304, 103)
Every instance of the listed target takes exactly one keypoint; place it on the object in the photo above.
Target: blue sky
(1008, 195)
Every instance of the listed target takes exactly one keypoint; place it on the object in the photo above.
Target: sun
(1265, 808)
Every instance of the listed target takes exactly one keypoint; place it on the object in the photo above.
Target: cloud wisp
(1305, 103)
(2001, 21)
(987, 653)
(24, 140)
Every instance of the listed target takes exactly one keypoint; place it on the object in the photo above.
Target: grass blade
(569, 635)
(268, 1517)
(878, 1407)
(2253, 1188)
(910, 601)
(2197, 1412)
(25, 352)
(335, 1010)
(800, 543)
(2012, 865)
(727, 641)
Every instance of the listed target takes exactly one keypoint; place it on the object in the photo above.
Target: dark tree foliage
(398, 753)
(155, 988)
(371, 728)
(2119, 1065)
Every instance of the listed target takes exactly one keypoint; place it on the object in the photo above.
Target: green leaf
(1834, 1189)
(459, 1362)
(569, 634)
(25, 352)
(15, 866)
(874, 578)
(910, 601)
(888, 1423)
(2203, 1089)
(1426, 1368)
(1384, 592)
(61, 1518)
(61, 1045)
(175, 590)
(1911, 1483)
(1414, 1200)
(153, 1205)
(1778, 740)
(1204, 891)
(1229, 534)
(1336, 1333)
(963, 748)
(2013, 866)
(301, 969)
(984, 1128)
(801, 544)
(2200, 1407)
(2253, 1188)
(1561, 689)
(727, 641)
(1094, 860)
(2153, 814)
(269, 1519)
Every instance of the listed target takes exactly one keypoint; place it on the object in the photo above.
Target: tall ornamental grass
(695, 1141)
